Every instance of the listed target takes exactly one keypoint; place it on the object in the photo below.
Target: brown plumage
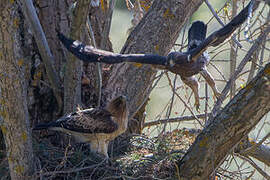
(96, 125)
(188, 69)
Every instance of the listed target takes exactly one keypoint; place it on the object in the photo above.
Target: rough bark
(99, 17)
(227, 129)
(55, 15)
(13, 64)
(41, 102)
(73, 67)
(156, 33)
(44, 49)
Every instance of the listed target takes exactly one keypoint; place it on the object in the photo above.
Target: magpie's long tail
(91, 54)
(196, 34)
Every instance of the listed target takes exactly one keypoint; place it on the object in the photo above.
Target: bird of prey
(96, 126)
(186, 64)
(188, 69)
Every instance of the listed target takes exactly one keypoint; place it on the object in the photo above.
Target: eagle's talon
(197, 106)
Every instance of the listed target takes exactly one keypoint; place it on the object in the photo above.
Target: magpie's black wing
(219, 36)
(91, 54)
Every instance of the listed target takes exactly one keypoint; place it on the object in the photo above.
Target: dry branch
(98, 65)
(264, 174)
(245, 60)
(173, 120)
(220, 22)
(44, 49)
(233, 52)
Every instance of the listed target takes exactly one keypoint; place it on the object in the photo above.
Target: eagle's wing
(91, 54)
(196, 49)
(196, 34)
(222, 34)
(84, 121)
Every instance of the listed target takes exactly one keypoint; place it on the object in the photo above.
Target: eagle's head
(118, 107)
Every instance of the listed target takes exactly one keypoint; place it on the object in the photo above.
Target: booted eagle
(186, 64)
(96, 126)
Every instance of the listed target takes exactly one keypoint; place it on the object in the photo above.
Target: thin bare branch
(233, 52)
(169, 109)
(264, 174)
(44, 49)
(173, 120)
(239, 69)
(228, 128)
(148, 93)
(253, 65)
(264, 42)
(220, 22)
(99, 70)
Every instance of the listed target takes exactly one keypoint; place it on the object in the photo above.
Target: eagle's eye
(120, 101)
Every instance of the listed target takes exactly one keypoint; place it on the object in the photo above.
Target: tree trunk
(98, 16)
(14, 111)
(41, 102)
(73, 67)
(227, 129)
(156, 33)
